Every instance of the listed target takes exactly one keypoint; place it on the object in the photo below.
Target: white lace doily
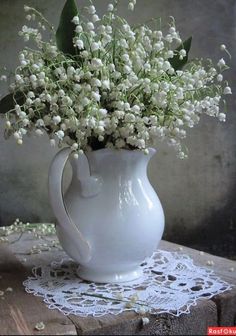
(171, 284)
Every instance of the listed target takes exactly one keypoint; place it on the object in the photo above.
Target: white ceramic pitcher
(110, 219)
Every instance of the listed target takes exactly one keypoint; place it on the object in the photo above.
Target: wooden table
(20, 312)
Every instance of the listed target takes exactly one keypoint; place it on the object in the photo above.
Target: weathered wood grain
(196, 323)
(19, 311)
(226, 308)
(221, 310)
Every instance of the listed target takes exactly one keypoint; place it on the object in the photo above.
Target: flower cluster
(121, 89)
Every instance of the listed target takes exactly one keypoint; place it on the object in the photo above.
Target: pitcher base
(93, 276)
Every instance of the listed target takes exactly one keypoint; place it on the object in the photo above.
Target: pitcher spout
(151, 152)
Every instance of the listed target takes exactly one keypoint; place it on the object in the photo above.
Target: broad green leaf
(8, 102)
(66, 28)
(175, 62)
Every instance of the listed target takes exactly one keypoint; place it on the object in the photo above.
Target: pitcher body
(116, 211)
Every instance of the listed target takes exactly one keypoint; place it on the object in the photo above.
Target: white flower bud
(140, 143)
(22, 131)
(61, 93)
(131, 6)
(19, 141)
(85, 101)
(182, 53)
(95, 18)
(3, 78)
(91, 10)
(26, 8)
(222, 117)
(41, 75)
(79, 44)
(95, 46)
(48, 97)
(110, 8)
(127, 69)
(85, 54)
(102, 112)
(96, 96)
(30, 94)
(17, 135)
(75, 20)
(90, 26)
(37, 101)
(63, 127)
(25, 122)
(221, 63)
(77, 87)
(100, 130)
(60, 134)
(227, 90)
(75, 146)
(70, 71)
(220, 78)
(33, 78)
(39, 326)
(22, 114)
(106, 84)
(56, 119)
(135, 109)
(96, 63)
(18, 78)
(21, 57)
(126, 106)
(23, 63)
(78, 29)
(28, 101)
(172, 30)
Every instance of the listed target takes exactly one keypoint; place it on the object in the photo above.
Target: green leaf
(66, 28)
(8, 102)
(175, 62)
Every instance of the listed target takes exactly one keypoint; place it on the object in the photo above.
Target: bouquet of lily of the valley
(99, 82)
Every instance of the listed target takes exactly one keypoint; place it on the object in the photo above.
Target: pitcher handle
(59, 207)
